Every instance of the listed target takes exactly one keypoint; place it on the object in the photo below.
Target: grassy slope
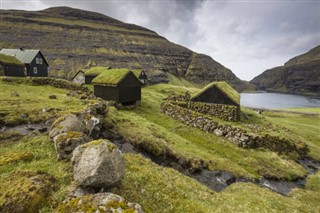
(31, 101)
(161, 189)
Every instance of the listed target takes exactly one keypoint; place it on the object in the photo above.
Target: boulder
(65, 143)
(65, 124)
(100, 202)
(93, 126)
(98, 164)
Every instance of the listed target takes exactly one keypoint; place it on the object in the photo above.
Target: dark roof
(223, 87)
(6, 59)
(80, 71)
(25, 56)
(112, 77)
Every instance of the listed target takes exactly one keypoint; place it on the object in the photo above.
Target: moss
(6, 59)
(86, 204)
(68, 135)
(225, 88)
(94, 71)
(110, 145)
(15, 157)
(112, 77)
(27, 192)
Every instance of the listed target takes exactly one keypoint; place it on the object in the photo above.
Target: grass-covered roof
(6, 59)
(111, 77)
(223, 87)
(95, 71)
(137, 73)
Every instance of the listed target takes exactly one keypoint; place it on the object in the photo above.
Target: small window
(37, 60)
(35, 70)
(40, 61)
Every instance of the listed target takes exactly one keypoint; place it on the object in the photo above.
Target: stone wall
(225, 112)
(236, 135)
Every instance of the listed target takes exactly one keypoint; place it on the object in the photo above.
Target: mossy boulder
(65, 143)
(66, 124)
(25, 191)
(98, 164)
(100, 202)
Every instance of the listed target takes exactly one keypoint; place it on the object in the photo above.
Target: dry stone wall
(225, 112)
(236, 135)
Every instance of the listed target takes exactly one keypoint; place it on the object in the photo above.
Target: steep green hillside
(73, 39)
(300, 75)
(38, 181)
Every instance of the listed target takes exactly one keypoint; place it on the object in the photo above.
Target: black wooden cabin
(218, 93)
(35, 63)
(119, 85)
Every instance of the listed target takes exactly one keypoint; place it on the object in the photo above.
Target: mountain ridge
(299, 75)
(74, 39)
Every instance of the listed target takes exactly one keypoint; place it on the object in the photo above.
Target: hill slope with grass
(300, 75)
(155, 174)
(73, 39)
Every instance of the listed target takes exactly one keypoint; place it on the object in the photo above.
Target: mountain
(300, 75)
(73, 39)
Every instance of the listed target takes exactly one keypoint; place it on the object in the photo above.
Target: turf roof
(111, 78)
(223, 87)
(7, 59)
(137, 73)
(95, 71)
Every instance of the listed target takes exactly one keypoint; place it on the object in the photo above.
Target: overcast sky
(246, 36)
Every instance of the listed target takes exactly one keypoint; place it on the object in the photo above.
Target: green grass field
(157, 188)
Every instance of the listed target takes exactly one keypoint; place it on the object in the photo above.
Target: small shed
(79, 77)
(141, 75)
(119, 85)
(218, 93)
(10, 66)
(93, 72)
(34, 61)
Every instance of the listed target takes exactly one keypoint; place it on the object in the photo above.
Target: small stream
(219, 180)
(215, 180)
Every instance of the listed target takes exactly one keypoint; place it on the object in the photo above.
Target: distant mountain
(300, 75)
(74, 39)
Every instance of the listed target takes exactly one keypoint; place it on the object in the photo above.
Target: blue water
(277, 101)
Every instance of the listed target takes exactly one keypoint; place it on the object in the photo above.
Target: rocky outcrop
(235, 135)
(100, 202)
(98, 164)
(300, 75)
(62, 34)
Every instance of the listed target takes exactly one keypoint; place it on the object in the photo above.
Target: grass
(304, 110)
(33, 102)
(6, 59)
(111, 77)
(94, 71)
(224, 87)
(160, 134)
(158, 188)
(161, 189)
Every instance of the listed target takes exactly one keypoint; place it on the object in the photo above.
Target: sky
(246, 36)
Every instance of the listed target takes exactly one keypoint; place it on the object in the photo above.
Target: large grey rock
(98, 164)
(65, 143)
(65, 124)
(100, 202)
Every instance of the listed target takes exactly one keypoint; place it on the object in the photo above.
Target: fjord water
(277, 101)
